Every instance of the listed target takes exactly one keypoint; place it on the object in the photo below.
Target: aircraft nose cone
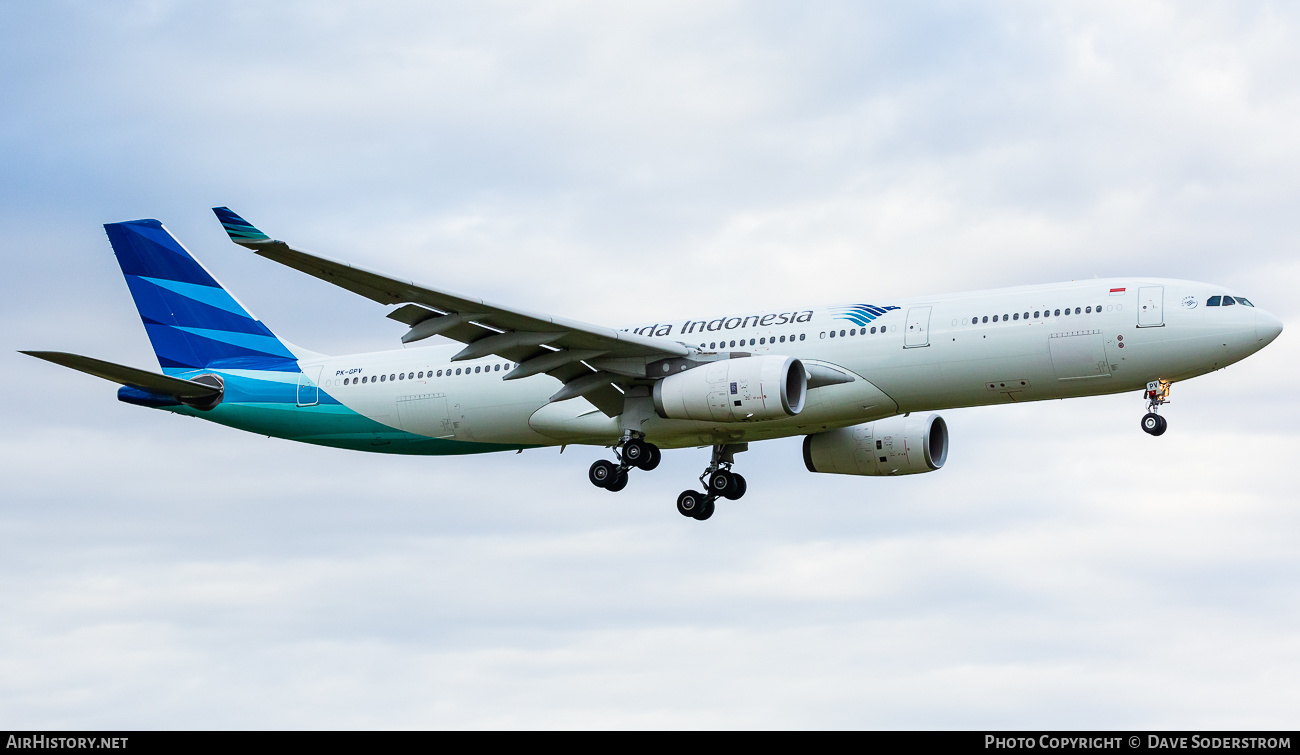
(1267, 327)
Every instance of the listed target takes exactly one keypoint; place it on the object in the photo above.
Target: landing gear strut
(1157, 393)
(719, 482)
(632, 451)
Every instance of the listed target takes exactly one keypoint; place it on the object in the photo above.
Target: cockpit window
(1244, 300)
(1213, 301)
(1228, 302)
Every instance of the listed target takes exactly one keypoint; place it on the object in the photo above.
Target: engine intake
(894, 446)
(734, 390)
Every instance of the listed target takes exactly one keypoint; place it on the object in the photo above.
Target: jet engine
(734, 390)
(894, 446)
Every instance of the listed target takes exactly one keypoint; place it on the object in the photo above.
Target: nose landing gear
(719, 482)
(1157, 394)
(631, 451)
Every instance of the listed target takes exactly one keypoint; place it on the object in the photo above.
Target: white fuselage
(923, 353)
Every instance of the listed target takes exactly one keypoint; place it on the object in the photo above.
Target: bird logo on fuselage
(859, 314)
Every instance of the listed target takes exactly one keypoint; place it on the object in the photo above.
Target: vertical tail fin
(191, 320)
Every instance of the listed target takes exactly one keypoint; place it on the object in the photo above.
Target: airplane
(861, 381)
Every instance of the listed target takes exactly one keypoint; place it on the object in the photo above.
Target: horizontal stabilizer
(144, 380)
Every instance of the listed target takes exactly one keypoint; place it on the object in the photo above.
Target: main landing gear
(719, 482)
(1157, 393)
(632, 451)
(635, 452)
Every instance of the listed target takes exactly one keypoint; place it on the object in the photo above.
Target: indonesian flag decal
(1116, 291)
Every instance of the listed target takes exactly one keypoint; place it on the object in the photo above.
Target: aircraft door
(918, 328)
(1151, 306)
(425, 414)
(1079, 354)
(309, 386)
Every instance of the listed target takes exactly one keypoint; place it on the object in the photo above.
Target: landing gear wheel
(706, 510)
(690, 502)
(640, 454)
(602, 472)
(739, 489)
(722, 483)
(653, 459)
(617, 482)
(635, 452)
(1154, 424)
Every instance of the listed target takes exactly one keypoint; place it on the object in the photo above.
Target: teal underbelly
(336, 426)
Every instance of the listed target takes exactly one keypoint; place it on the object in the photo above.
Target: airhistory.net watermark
(43, 742)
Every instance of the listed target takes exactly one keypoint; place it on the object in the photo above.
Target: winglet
(240, 231)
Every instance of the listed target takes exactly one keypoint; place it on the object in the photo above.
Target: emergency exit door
(309, 387)
(918, 328)
(1151, 306)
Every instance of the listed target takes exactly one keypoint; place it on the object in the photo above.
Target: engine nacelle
(734, 390)
(894, 446)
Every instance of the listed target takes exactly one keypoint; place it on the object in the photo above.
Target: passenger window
(841, 334)
(713, 345)
(733, 344)
(401, 376)
(1228, 302)
(1016, 316)
(1058, 313)
(823, 335)
(1076, 310)
(478, 369)
(995, 318)
(458, 370)
(345, 381)
(439, 373)
(1026, 315)
(832, 334)
(882, 328)
(381, 378)
(497, 368)
(1004, 318)
(782, 339)
(986, 318)
(873, 331)
(801, 337)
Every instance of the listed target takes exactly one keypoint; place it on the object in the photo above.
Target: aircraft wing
(537, 342)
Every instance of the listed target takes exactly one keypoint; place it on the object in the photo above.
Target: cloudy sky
(617, 163)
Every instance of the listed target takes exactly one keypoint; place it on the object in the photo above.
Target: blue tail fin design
(191, 320)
